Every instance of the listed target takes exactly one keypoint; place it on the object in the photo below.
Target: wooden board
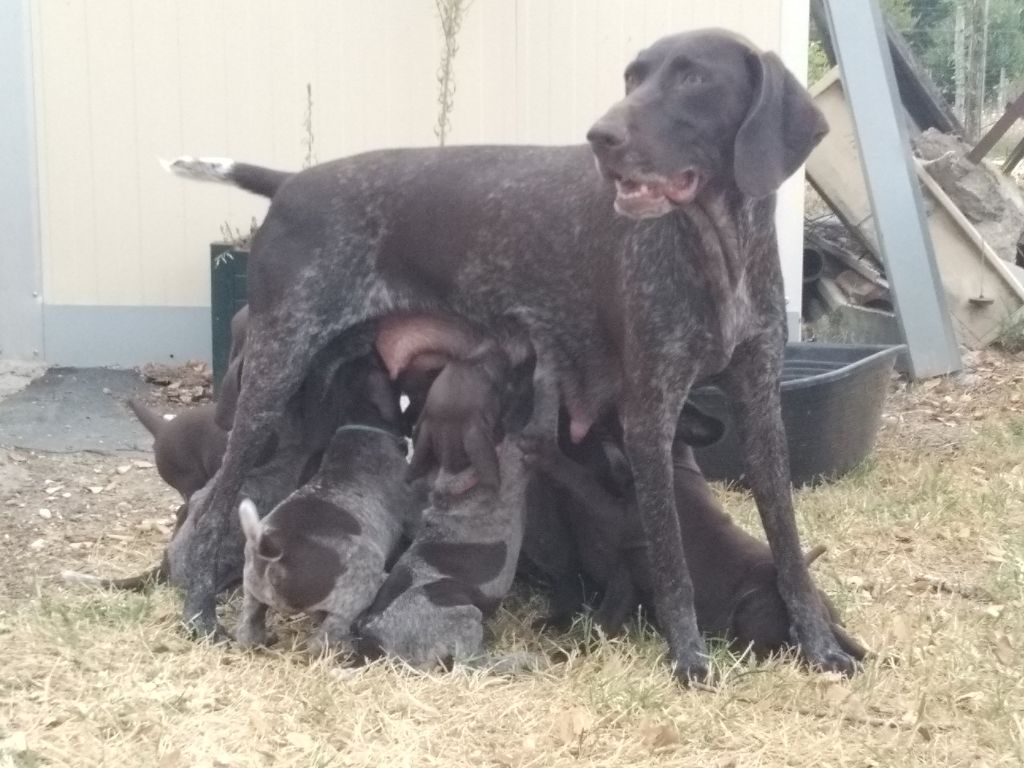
(982, 294)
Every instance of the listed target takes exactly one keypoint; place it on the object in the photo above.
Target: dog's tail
(150, 419)
(814, 553)
(139, 583)
(251, 178)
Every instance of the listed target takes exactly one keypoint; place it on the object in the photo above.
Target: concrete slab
(15, 375)
(76, 409)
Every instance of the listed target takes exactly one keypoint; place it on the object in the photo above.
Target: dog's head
(703, 110)
(296, 566)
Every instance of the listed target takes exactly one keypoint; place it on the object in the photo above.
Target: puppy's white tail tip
(74, 577)
(200, 168)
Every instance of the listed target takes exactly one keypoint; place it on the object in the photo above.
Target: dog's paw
(202, 624)
(834, 661)
(691, 665)
(447, 486)
(830, 658)
(330, 639)
(850, 644)
(538, 449)
(694, 674)
(248, 637)
(556, 622)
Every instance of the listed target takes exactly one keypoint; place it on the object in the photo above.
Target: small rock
(37, 545)
(45, 513)
(16, 743)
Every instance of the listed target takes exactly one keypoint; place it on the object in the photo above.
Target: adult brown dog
(685, 286)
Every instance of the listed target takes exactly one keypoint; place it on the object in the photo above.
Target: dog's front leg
(213, 507)
(753, 380)
(251, 630)
(543, 423)
(649, 425)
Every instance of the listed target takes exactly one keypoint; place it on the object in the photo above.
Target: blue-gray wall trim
(125, 336)
(21, 316)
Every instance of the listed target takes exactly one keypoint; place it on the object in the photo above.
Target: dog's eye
(634, 75)
(689, 78)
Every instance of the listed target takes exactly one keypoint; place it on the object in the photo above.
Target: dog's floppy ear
(269, 549)
(696, 428)
(227, 401)
(382, 393)
(781, 128)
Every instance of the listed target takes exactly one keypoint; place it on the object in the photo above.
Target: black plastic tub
(832, 398)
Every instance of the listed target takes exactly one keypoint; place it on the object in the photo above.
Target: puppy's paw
(557, 622)
(538, 449)
(448, 486)
(323, 643)
(248, 637)
(205, 628)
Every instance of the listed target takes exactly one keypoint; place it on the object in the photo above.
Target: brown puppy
(188, 448)
(736, 592)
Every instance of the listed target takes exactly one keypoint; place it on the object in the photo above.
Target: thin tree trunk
(959, 62)
(977, 55)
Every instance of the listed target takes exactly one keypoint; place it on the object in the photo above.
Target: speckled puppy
(431, 608)
(323, 550)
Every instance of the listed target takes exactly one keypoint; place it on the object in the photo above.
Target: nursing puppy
(323, 550)
(357, 392)
(188, 448)
(575, 520)
(461, 564)
(736, 591)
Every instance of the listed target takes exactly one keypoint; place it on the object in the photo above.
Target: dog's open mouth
(646, 197)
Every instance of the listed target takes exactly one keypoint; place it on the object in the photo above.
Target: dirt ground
(925, 560)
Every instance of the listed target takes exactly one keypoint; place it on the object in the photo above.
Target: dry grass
(926, 560)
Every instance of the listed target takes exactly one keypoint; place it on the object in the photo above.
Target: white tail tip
(200, 168)
(74, 577)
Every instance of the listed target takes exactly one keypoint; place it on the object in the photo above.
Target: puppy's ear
(239, 332)
(781, 128)
(227, 401)
(696, 428)
(249, 517)
(618, 465)
(265, 546)
(269, 549)
(382, 393)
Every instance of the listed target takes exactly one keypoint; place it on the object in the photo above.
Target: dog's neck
(724, 267)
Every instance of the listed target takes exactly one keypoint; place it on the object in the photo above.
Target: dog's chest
(688, 294)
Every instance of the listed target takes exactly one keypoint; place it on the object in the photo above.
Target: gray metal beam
(21, 304)
(858, 34)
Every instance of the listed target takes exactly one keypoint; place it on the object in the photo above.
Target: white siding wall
(119, 83)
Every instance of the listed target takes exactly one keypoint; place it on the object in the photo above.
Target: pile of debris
(189, 384)
(974, 212)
